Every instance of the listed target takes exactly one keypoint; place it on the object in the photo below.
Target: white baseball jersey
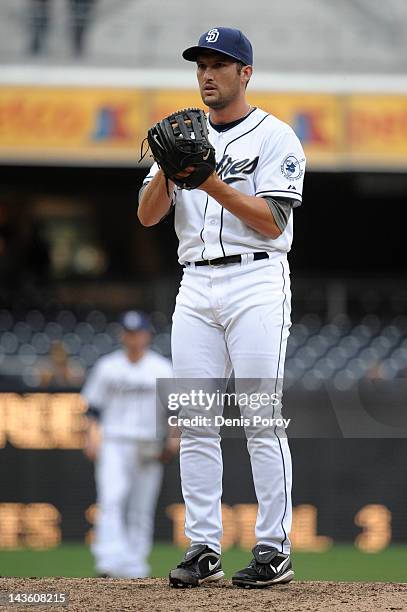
(125, 394)
(260, 156)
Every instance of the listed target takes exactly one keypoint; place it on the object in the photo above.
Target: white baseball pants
(237, 317)
(127, 486)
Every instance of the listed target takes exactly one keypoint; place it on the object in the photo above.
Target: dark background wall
(350, 223)
(338, 477)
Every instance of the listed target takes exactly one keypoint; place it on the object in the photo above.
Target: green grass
(342, 562)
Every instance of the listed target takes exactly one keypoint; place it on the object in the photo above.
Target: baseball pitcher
(234, 179)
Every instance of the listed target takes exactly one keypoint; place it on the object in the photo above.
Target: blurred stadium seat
(342, 352)
(302, 35)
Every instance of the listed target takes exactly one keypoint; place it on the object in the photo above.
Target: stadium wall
(48, 493)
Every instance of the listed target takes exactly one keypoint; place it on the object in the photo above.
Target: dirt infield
(154, 595)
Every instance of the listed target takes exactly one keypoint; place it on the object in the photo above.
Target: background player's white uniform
(127, 472)
(236, 316)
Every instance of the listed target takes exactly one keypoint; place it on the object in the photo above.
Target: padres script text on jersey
(260, 156)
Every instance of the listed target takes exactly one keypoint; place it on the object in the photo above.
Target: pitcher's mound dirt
(154, 595)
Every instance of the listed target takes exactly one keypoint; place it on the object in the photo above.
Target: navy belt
(229, 259)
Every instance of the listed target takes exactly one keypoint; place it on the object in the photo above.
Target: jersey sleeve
(94, 390)
(281, 167)
(151, 173)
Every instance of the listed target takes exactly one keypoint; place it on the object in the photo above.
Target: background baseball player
(125, 436)
(233, 307)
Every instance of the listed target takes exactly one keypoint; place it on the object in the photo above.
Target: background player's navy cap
(135, 320)
(223, 40)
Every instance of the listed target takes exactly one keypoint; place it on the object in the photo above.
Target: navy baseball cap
(228, 41)
(135, 320)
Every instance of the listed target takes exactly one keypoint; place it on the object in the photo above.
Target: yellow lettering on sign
(91, 516)
(239, 527)
(176, 512)
(375, 521)
(29, 525)
(229, 527)
(27, 420)
(245, 516)
(67, 420)
(42, 420)
(10, 525)
(304, 532)
(41, 526)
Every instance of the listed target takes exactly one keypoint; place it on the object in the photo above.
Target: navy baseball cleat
(267, 567)
(200, 564)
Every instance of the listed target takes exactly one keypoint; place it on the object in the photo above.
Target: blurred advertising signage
(70, 124)
(374, 521)
(107, 125)
(34, 525)
(38, 526)
(377, 129)
(42, 420)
